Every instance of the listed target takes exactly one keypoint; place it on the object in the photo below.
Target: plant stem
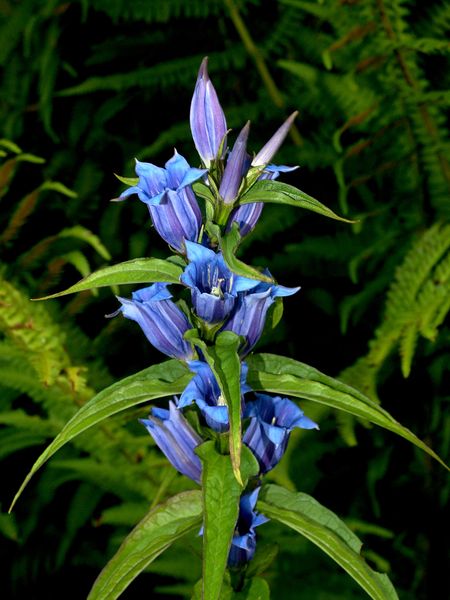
(258, 58)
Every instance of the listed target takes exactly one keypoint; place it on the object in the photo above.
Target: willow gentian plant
(228, 419)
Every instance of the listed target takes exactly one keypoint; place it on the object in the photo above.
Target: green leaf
(11, 146)
(281, 375)
(229, 244)
(282, 193)
(254, 589)
(31, 158)
(274, 314)
(127, 180)
(87, 236)
(8, 527)
(78, 260)
(221, 494)
(324, 529)
(56, 186)
(139, 270)
(264, 556)
(226, 366)
(155, 533)
(165, 379)
(204, 191)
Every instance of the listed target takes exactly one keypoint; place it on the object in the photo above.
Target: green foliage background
(87, 86)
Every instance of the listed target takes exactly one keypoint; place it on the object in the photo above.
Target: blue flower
(266, 153)
(272, 420)
(168, 194)
(204, 390)
(214, 288)
(176, 438)
(163, 323)
(208, 124)
(243, 544)
(249, 315)
(237, 165)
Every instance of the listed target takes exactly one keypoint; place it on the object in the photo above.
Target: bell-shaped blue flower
(208, 124)
(249, 315)
(168, 194)
(176, 438)
(235, 168)
(204, 390)
(163, 323)
(243, 543)
(272, 420)
(214, 288)
(266, 153)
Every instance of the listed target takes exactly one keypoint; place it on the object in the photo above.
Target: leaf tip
(237, 475)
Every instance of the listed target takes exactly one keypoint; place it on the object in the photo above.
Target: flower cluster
(221, 300)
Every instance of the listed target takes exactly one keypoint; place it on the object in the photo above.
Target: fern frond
(417, 303)
(32, 330)
(158, 11)
(178, 71)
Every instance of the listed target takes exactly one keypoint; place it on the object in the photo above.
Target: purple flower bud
(234, 171)
(243, 544)
(249, 315)
(176, 438)
(168, 194)
(266, 153)
(246, 216)
(214, 288)
(272, 420)
(208, 124)
(204, 390)
(162, 322)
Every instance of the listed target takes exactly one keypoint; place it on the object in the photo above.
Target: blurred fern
(46, 370)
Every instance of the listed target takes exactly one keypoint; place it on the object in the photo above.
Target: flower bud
(234, 170)
(208, 124)
(266, 153)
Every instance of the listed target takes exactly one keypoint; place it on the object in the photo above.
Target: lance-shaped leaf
(324, 529)
(226, 367)
(221, 494)
(155, 533)
(165, 379)
(282, 193)
(285, 376)
(229, 244)
(139, 270)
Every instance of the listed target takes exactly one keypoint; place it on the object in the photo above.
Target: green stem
(223, 212)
